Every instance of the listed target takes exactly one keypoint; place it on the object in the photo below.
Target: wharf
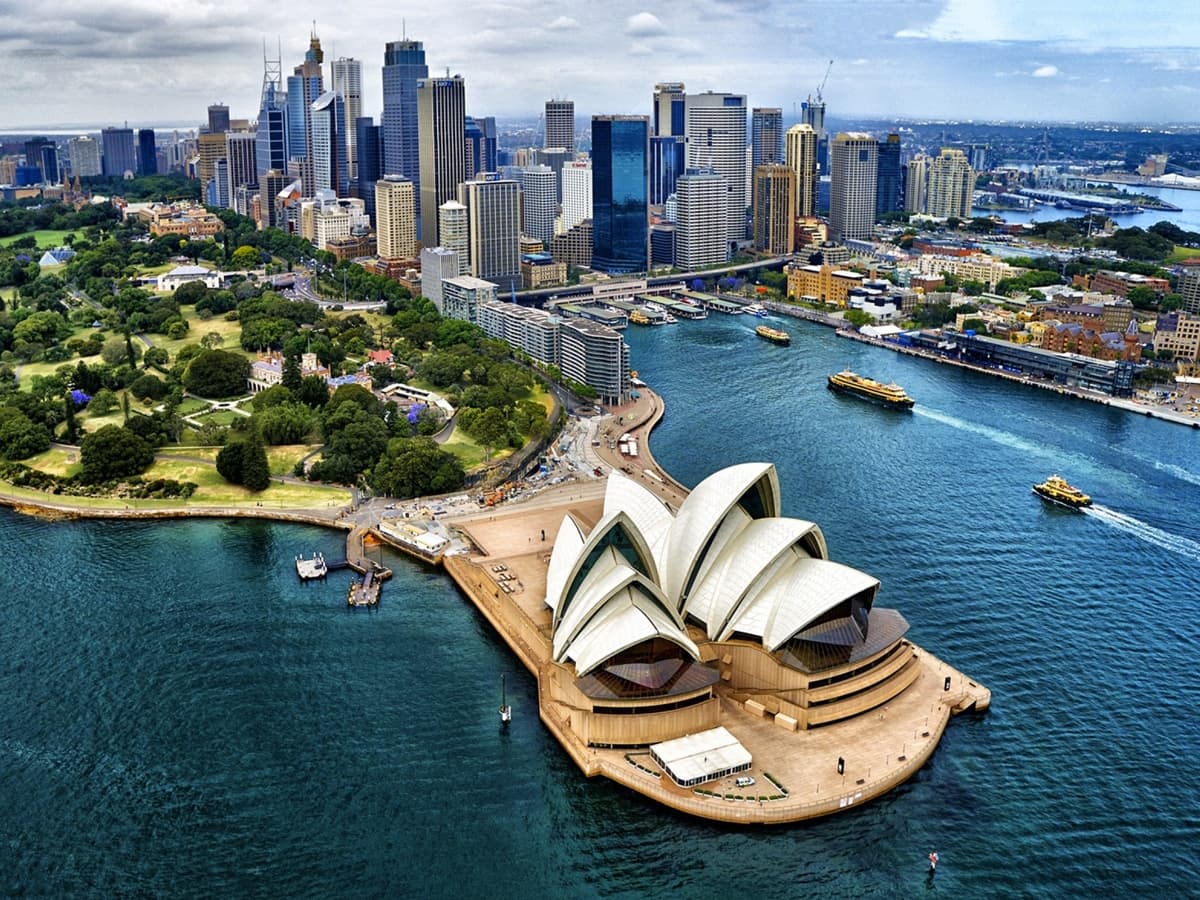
(311, 568)
(1130, 405)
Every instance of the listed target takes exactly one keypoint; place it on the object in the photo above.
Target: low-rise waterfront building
(824, 284)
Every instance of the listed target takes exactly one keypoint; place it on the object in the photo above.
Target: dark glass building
(403, 66)
(147, 152)
(766, 136)
(119, 153)
(889, 183)
(620, 182)
(369, 140)
(271, 140)
(666, 165)
(42, 153)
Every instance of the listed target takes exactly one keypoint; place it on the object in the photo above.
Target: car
(744, 781)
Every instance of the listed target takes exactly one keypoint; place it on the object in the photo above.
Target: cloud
(644, 24)
(1044, 72)
(563, 23)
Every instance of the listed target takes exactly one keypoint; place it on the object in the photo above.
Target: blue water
(1187, 218)
(180, 717)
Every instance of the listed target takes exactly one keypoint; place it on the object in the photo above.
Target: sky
(100, 62)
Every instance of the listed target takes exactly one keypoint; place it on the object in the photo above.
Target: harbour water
(181, 716)
(1187, 217)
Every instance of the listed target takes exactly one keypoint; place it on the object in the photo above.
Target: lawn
(211, 489)
(281, 460)
(46, 238)
(469, 453)
(1180, 253)
(230, 333)
(191, 405)
(224, 417)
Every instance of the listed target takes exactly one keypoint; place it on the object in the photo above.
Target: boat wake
(1147, 533)
(992, 434)
(1178, 471)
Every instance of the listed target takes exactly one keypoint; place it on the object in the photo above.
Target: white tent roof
(700, 756)
(624, 620)
(815, 586)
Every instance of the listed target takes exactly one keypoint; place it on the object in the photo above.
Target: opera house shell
(655, 617)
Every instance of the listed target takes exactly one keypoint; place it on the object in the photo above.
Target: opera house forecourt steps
(712, 657)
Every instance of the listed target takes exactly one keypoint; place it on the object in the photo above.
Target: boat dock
(364, 592)
(311, 568)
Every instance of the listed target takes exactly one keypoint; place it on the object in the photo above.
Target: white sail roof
(624, 620)
(651, 516)
(815, 587)
(743, 566)
(567, 545)
(703, 512)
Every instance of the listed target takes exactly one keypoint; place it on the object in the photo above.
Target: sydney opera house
(710, 654)
(656, 618)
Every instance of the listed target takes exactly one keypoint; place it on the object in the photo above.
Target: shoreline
(1123, 403)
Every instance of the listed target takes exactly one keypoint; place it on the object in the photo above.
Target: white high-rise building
(437, 264)
(715, 125)
(539, 203)
(455, 231)
(701, 233)
(395, 218)
(85, 155)
(915, 186)
(347, 81)
(951, 185)
(494, 228)
(576, 193)
(853, 169)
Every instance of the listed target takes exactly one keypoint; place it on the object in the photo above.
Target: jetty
(312, 568)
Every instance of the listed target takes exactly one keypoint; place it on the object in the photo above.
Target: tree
(21, 437)
(212, 340)
(490, 429)
(245, 258)
(157, 357)
(858, 318)
(256, 472)
(116, 352)
(149, 386)
(111, 453)
(285, 423)
(292, 373)
(102, 403)
(217, 373)
(229, 462)
(414, 467)
(1142, 297)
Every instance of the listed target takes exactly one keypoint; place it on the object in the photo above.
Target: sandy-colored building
(823, 283)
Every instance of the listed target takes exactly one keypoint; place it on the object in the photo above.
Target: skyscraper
(916, 185)
(331, 169)
(218, 118)
(715, 125)
(701, 238)
(812, 113)
(210, 147)
(119, 154)
(853, 166)
(560, 125)
(367, 136)
(494, 229)
(272, 149)
(147, 152)
(454, 229)
(403, 66)
(576, 193)
(774, 209)
(304, 85)
(667, 141)
(620, 176)
(271, 184)
(889, 195)
(396, 227)
(85, 155)
(241, 155)
(951, 185)
(346, 75)
(441, 121)
(669, 100)
(766, 136)
(43, 153)
(539, 201)
(801, 158)
(666, 165)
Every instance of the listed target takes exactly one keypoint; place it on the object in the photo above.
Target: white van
(744, 781)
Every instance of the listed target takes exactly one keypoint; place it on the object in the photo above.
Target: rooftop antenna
(404, 29)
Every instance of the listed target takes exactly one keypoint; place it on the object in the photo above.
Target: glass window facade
(620, 180)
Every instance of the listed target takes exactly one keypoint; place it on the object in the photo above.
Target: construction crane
(821, 86)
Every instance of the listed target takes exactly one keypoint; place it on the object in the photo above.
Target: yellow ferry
(891, 395)
(1056, 490)
(774, 335)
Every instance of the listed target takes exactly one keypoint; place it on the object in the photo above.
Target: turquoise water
(179, 716)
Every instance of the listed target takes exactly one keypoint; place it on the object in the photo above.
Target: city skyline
(964, 59)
